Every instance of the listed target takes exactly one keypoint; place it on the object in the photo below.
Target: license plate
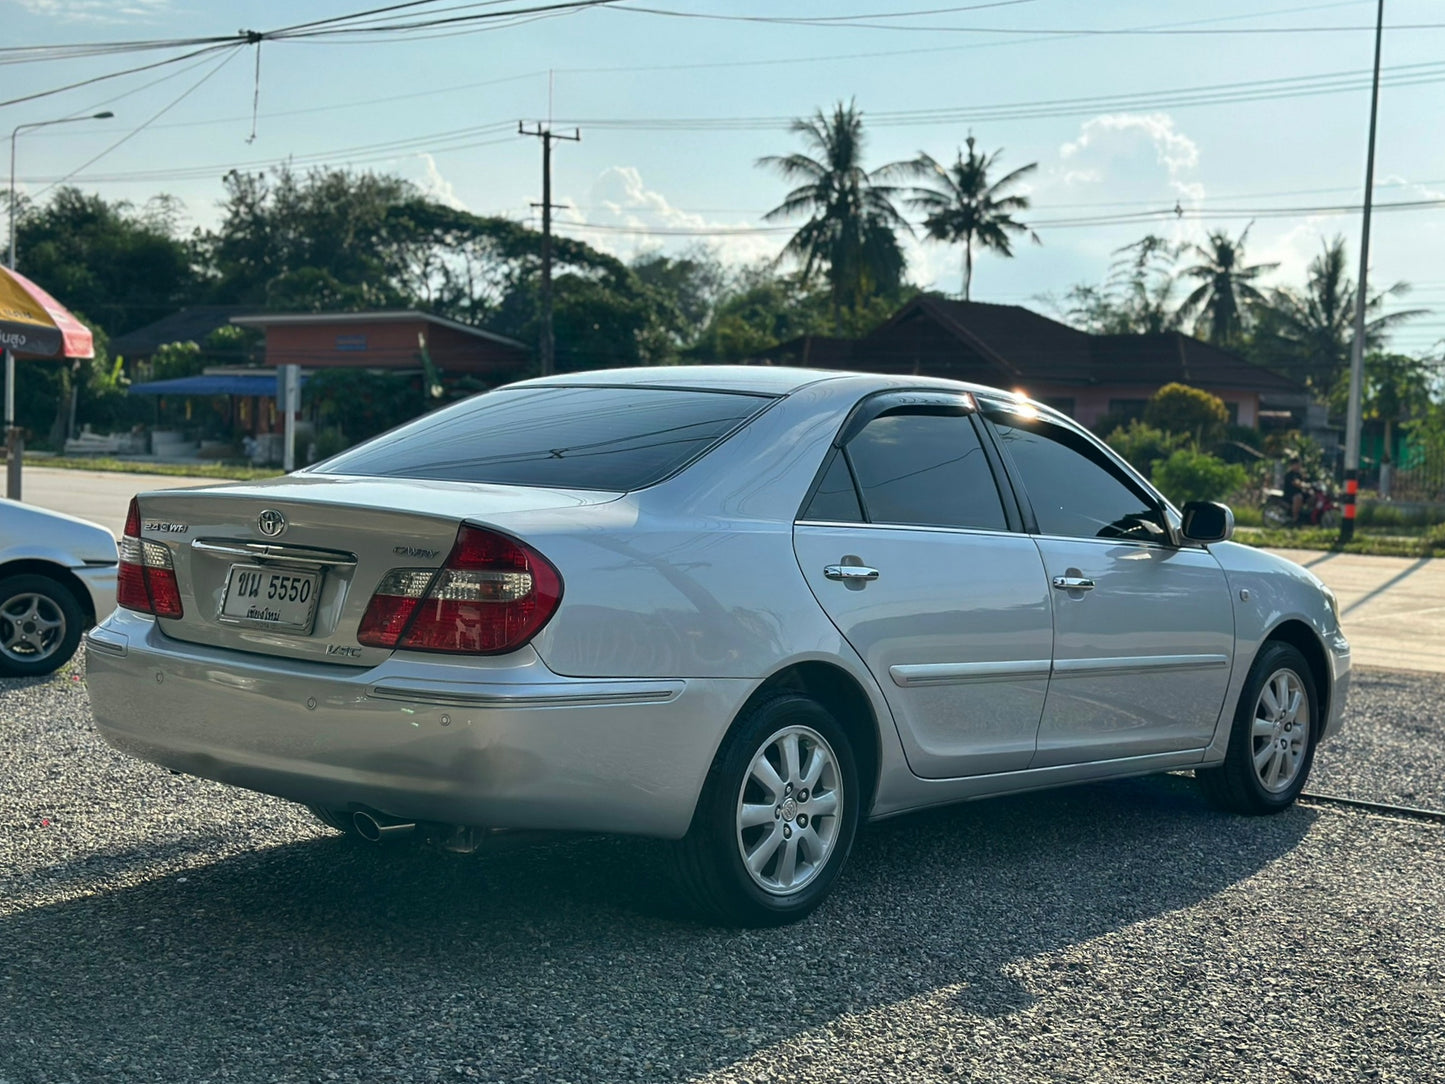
(270, 598)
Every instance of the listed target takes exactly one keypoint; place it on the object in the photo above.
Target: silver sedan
(57, 576)
(739, 608)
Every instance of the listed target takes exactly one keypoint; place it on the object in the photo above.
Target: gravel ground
(159, 928)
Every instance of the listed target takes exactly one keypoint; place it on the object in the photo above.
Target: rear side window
(612, 438)
(926, 470)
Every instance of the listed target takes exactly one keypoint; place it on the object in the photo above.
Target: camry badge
(271, 522)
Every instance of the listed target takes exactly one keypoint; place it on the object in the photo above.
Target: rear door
(1143, 627)
(909, 547)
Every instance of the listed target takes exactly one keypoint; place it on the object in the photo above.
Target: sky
(1242, 113)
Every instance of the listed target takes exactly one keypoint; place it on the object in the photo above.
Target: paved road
(161, 928)
(1393, 607)
(99, 496)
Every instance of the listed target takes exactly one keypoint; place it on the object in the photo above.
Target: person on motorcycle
(1295, 489)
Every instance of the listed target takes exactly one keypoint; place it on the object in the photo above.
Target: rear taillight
(493, 595)
(146, 581)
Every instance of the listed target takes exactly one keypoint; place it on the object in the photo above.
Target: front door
(1143, 628)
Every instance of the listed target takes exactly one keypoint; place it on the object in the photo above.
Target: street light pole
(1354, 411)
(13, 134)
(14, 447)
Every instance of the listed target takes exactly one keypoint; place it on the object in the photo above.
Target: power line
(1158, 215)
(1210, 94)
(1071, 31)
(143, 125)
(116, 75)
(1223, 93)
(305, 31)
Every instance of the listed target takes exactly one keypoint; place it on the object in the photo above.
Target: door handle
(1073, 583)
(850, 572)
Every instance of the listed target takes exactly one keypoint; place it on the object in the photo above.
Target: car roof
(750, 379)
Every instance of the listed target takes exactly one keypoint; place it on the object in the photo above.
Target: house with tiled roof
(1086, 376)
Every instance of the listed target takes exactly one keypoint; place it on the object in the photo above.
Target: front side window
(925, 469)
(1074, 490)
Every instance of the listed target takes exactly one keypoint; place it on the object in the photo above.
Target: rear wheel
(776, 818)
(40, 625)
(1276, 514)
(1271, 744)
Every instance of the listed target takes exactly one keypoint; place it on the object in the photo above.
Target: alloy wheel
(789, 810)
(32, 627)
(1281, 731)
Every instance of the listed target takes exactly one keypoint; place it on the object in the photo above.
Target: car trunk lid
(288, 567)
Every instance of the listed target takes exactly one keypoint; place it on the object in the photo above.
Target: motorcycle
(1320, 508)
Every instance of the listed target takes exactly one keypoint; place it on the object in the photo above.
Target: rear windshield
(560, 437)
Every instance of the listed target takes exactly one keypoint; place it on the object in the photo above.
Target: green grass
(1372, 543)
(183, 470)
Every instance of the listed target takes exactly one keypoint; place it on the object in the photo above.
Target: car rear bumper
(497, 745)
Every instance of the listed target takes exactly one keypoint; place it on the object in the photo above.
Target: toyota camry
(743, 609)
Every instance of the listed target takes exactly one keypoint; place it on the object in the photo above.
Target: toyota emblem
(271, 522)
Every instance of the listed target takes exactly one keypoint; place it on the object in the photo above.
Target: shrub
(1178, 408)
(1143, 445)
(1196, 476)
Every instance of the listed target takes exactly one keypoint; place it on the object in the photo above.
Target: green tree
(1138, 296)
(961, 205)
(308, 243)
(1226, 290)
(123, 268)
(1193, 412)
(691, 283)
(1396, 389)
(851, 234)
(1308, 334)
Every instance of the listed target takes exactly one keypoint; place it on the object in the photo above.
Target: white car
(57, 577)
(741, 608)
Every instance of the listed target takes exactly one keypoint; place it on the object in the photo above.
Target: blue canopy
(262, 384)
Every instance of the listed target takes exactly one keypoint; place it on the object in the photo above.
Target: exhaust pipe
(378, 828)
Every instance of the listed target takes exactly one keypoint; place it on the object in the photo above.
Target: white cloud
(1128, 150)
(620, 198)
(437, 187)
(96, 11)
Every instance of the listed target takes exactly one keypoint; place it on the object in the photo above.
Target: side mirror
(1208, 521)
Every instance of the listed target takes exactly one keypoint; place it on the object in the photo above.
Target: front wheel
(776, 818)
(1271, 744)
(1276, 514)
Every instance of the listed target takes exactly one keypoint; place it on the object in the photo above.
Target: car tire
(776, 818)
(1272, 740)
(40, 625)
(1276, 514)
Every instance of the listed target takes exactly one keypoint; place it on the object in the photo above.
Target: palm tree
(961, 204)
(1309, 335)
(851, 233)
(1226, 287)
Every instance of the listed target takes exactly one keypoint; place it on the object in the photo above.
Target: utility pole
(546, 135)
(1357, 348)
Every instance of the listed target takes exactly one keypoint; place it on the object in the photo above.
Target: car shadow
(574, 959)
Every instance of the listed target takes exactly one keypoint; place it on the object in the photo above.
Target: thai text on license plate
(271, 598)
